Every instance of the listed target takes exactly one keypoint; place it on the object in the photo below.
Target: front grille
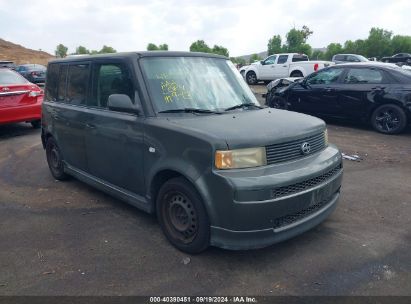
(310, 183)
(294, 217)
(292, 150)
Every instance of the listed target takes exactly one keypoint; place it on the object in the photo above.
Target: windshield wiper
(190, 110)
(243, 105)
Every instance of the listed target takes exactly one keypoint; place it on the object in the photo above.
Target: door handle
(284, 66)
(90, 126)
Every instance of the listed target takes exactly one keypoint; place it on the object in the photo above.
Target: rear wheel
(182, 216)
(55, 160)
(251, 78)
(36, 124)
(389, 119)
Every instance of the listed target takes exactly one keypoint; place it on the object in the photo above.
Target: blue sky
(243, 27)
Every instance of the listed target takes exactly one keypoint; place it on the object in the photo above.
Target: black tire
(389, 119)
(278, 103)
(55, 160)
(296, 74)
(182, 216)
(36, 124)
(251, 78)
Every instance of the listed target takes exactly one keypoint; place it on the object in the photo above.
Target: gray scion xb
(181, 135)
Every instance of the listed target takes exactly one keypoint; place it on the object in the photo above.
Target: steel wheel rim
(180, 216)
(252, 78)
(388, 119)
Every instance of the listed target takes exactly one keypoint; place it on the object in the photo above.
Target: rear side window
(52, 82)
(110, 78)
(61, 91)
(363, 76)
(339, 57)
(78, 76)
(297, 58)
(282, 59)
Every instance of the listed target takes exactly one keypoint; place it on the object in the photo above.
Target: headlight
(240, 158)
(326, 137)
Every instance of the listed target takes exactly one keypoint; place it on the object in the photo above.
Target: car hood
(251, 128)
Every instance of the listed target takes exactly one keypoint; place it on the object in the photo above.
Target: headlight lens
(240, 158)
(326, 137)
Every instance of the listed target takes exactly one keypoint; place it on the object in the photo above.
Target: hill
(21, 55)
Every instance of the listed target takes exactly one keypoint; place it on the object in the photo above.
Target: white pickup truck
(282, 66)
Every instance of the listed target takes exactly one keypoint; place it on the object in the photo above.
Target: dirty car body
(192, 146)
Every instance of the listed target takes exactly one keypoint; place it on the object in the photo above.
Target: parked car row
(376, 93)
(35, 73)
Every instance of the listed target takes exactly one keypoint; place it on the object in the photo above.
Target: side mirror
(262, 62)
(122, 103)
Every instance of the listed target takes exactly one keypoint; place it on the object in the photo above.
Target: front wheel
(182, 216)
(251, 78)
(389, 119)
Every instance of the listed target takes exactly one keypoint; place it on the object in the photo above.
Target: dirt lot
(65, 238)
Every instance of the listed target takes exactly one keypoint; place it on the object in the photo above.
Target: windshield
(194, 82)
(362, 58)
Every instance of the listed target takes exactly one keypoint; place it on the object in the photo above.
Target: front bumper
(258, 207)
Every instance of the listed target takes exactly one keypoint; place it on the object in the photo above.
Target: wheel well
(297, 72)
(159, 179)
(44, 138)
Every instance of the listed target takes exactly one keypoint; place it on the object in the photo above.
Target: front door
(267, 68)
(114, 140)
(319, 93)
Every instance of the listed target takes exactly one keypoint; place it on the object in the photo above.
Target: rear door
(69, 112)
(360, 87)
(319, 93)
(114, 140)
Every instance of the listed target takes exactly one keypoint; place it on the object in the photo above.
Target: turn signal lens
(240, 158)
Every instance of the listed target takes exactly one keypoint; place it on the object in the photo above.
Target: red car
(20, 100)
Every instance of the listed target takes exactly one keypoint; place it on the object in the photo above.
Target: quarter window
(325, 77)
(363, 76)
(110, 79)
(62, 83)
(52, 82)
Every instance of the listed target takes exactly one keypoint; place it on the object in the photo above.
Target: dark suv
(181, 135)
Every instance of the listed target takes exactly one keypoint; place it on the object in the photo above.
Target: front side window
(325, 76)
(78, 75)
(110, 78)
(270, 60)
(282, 59)
(194, 82)
(363, 76)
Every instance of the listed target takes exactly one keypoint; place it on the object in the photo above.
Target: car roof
(138, 55)
(347, 55)
(368, 64)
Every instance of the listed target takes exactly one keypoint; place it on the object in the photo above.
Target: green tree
(81, 50)
(107, 49)
(220, 50)
(61, 51)
(253, 58)
(274, 45)
(200, 46)
(318, 55)
(401, 44)
(238, 60)
(163, 47)
(296, 41)
(154, 47)
(332, 49)
(378, 43)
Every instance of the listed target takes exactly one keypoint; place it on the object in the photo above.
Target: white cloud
(241, 26)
